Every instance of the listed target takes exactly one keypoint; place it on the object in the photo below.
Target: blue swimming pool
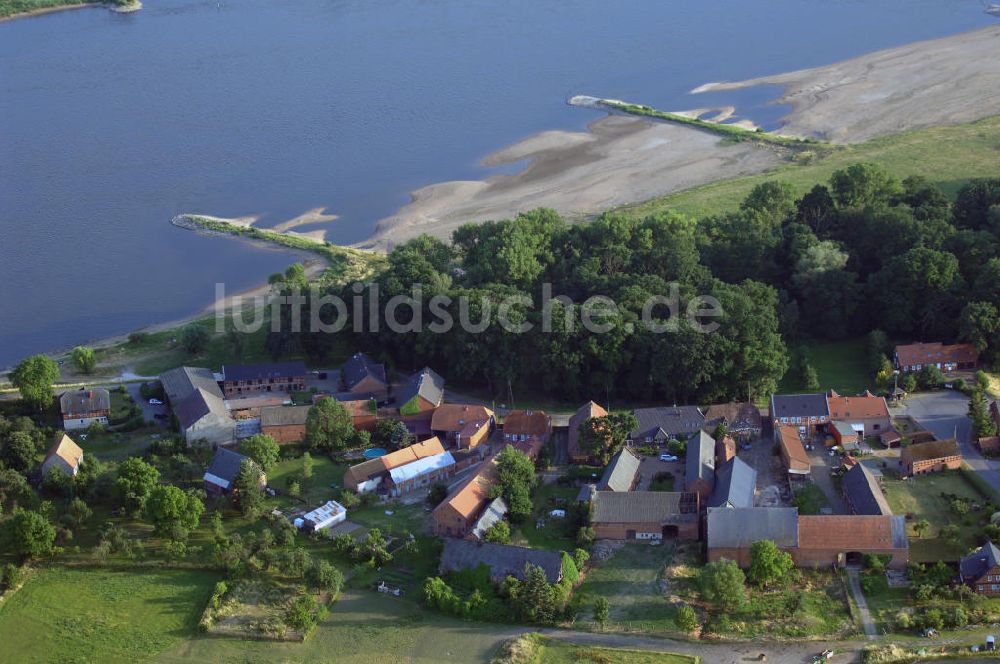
(374, 452)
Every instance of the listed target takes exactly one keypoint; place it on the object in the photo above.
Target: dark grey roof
(673, 421)
(976, 564)
(741, 527)
(274, 416)
(583, 496)
(642, 506)
(226, 464)
(197, 405)
(700, 462)
(493, 514)
(734, 485)
(503, 559)
(181, 382)
(799, 405)
(866, 495)
(899, 538)
(359, 367)
(426, 383)
(264, 371)
(620, 473)
(85, 400)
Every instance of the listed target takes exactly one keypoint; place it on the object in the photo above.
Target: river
(111, 124)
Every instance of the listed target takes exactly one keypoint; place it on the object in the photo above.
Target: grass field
(840, 366)
(101, 615)
(947, 156)
(362, 628)
(553, 533)
(921, 496)
(810, 499)
(554, 651)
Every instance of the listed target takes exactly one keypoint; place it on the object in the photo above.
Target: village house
(368, 476)
(458, 513)
(862, 493)
(644, 515)
(622, 473)
(420, 473)
(269, 377)
(362, 375)
(793, 452)
(659, 425)
(812, 541)
(586, 412)
(735, 485)
(199, 406)
(866, 413)
(806, 412)
(65, 457)
(955, 357)
(223, 470)
(462, 425)
(503, 560)
(81, 408)
(743, 421)
(322, 518)
(420, 395)
(285, 424)
(930, 457)
(980, 570)
(699, 466)
(527, 426)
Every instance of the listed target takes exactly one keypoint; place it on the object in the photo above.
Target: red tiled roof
(849, 533)
(527, 423)
(861, 407)
(584, 413)
(456, 416)
(934, 353)
(792, 444)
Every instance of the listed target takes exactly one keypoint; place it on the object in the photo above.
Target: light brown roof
(847, 533)
(527, 423)
(67, 450)
(472, 495)
(584, 413)
(456, 416)
(792, 444)
(429, 447)
(862, 407)
(276, 416)
(935, 449)
(733, 412)
(935, 353)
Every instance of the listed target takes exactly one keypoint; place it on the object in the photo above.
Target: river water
(111, 124)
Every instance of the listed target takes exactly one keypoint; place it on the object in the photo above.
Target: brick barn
(930, 457)
(286, 424)
(644, 515)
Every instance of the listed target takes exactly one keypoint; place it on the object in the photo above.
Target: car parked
(668, 457)
(155, 402)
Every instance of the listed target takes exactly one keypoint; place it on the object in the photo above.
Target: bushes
(12, 577)
(214, 604)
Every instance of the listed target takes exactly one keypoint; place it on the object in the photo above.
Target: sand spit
(950, 80)
(620, 160)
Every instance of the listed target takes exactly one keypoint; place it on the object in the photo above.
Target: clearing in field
(102, 615)
(553, 651)
(942, 499)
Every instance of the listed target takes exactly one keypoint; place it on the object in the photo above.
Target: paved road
(820, 475)
(854, 583)
(945, 413)
(148, 411)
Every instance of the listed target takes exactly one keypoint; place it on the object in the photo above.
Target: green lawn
(840, 366)
(947, 156)
(810, 499)
(554, 533)
(315, 491)
(363, 628)
(109, 446)
(102, 615)
(921, 497)
(554, 651)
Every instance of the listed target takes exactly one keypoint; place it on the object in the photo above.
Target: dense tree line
(863, 252)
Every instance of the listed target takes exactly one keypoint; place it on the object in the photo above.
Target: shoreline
(84, 4)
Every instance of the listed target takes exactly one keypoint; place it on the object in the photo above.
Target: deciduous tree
(329, 426)
(34, 378)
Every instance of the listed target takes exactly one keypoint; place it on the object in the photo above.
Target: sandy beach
(623, 160)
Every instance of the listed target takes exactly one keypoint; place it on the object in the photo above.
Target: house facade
(369, 475)
(81, 408)
(362, 375)
(420, 395)
(659, 425)
(523, 426)
(199, 405)
(222, 472)
(644, 515)
(866, 413)
(808, 413)
(980, 570)
(954, 357)
(463, 426)
(420, 473)
(269, 377)
(457, 514)
(285, 424)
(930, 457)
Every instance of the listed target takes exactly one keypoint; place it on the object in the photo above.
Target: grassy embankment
(538, 649)
(947, 156)
(730, 132)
